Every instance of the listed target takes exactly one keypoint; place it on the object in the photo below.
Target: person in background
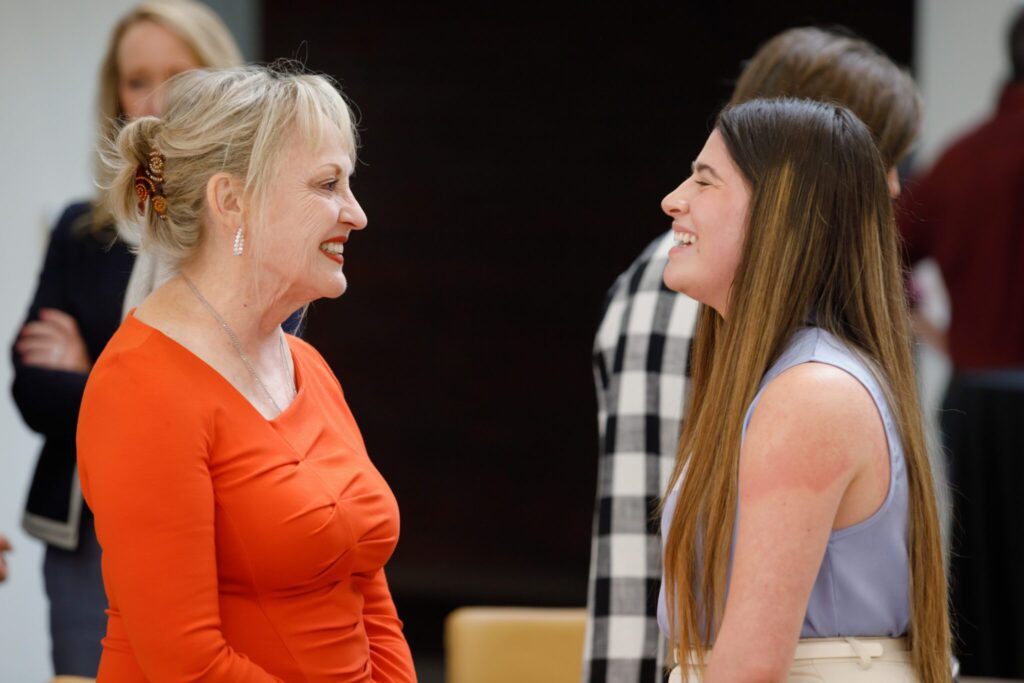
(967, 213)
(5, 545)
(801, 530)
(78, 304)
(244, 528)
(641, 354)
(973, 235)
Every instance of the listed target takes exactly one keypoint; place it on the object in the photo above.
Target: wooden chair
(513, 645)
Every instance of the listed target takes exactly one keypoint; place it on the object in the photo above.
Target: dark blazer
(85, 275)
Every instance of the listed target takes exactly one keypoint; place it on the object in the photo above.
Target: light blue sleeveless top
(862, 588)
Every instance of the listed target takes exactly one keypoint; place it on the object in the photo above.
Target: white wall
(49, 57)
(960, 64)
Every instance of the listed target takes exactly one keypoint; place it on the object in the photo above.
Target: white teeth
(684, 238)
(333, 247)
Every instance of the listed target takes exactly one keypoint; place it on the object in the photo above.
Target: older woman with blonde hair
(80, 301)
(244, 528)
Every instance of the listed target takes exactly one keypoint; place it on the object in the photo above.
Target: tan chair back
(514, 645)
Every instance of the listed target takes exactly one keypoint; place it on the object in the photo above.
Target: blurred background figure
(5, 545)
(967, 213)
(77, 306)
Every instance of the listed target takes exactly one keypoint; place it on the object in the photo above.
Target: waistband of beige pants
(864, 649)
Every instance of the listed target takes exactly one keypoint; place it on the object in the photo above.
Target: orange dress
(235, 548)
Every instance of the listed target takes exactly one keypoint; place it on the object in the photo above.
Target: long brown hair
(821, 239)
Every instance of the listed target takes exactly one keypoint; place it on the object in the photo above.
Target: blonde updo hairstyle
(234, 121)
(196, 25)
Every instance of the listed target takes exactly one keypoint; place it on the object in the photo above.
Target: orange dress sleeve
(389, 652)
(143, 445)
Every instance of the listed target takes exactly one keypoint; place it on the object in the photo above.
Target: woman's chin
(676, 281)
(335, 292)
(686, 286)
(334, 288)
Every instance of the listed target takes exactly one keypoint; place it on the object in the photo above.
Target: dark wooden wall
(512, 165)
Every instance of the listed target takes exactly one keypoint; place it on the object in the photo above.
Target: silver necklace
(233, 338)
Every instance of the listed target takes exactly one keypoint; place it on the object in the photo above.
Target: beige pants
(839, 660)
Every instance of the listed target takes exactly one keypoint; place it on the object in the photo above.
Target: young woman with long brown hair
(801, 534)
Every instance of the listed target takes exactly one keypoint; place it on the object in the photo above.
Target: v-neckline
(299, 383)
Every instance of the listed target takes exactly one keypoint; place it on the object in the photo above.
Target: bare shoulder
(810, 427)
(816, 397)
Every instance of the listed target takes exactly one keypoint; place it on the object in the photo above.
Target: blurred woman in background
(79, 302)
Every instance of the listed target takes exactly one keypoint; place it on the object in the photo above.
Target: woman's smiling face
(308, 216)
(709, 213)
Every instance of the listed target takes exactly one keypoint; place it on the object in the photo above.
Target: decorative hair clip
(149, 184)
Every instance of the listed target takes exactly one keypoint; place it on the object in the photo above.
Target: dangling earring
(239, 246)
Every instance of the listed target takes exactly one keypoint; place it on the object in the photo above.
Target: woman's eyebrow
(701, 167)
(339, 169)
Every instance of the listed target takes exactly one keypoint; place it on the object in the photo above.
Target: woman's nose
(674, 204)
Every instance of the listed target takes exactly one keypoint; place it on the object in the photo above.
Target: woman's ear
(892, 178)
(224, 202)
